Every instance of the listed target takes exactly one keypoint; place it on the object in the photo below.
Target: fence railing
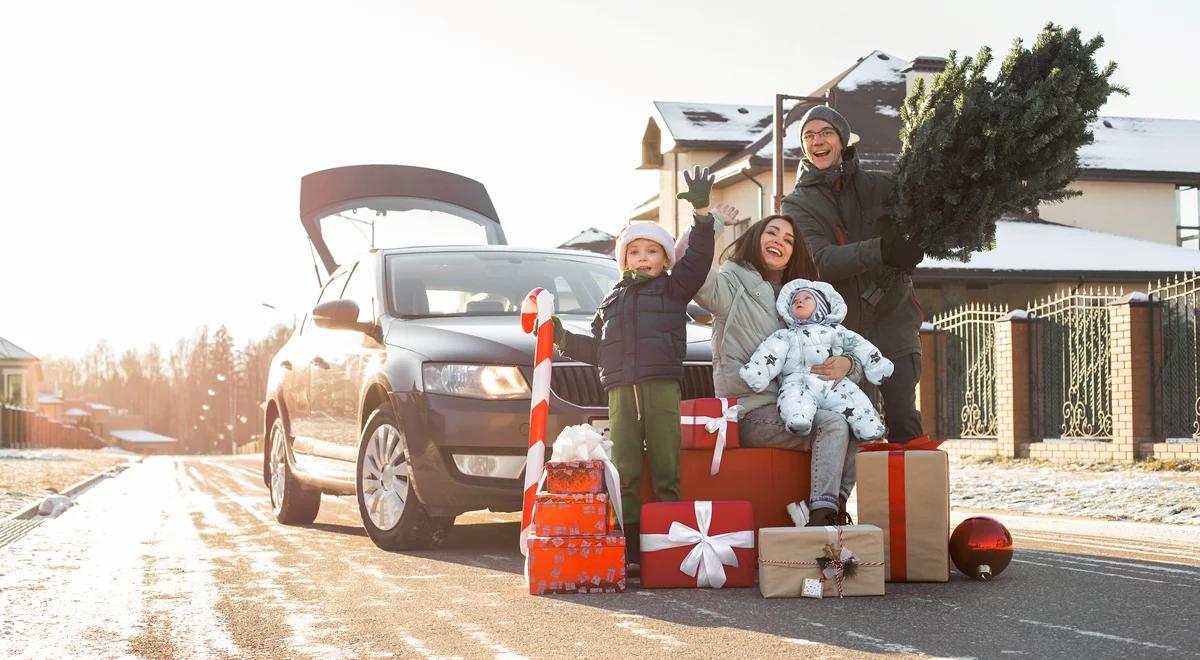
(1179, 300)
(966, 388)
(1075, 392)
(21, 428)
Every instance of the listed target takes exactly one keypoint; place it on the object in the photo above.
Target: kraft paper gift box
(576, 564)
(697, 544)
(906, 493)
(571, 514)
(787, 556)
(574, 477)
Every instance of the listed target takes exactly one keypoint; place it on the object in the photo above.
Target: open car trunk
(346, 210)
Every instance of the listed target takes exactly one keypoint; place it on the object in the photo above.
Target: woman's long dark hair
(747, 251)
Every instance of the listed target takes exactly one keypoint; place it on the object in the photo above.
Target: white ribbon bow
(718, 425)
(584, 443)
(706, 562)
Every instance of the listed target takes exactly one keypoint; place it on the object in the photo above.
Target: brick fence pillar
(1134, 348)
(1015, 426)
(933, 343)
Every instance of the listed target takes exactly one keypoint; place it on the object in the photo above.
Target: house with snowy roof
(1137, 219)
(20, 374)
(591, 240)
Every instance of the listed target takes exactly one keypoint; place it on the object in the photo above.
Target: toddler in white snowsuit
(813, 312)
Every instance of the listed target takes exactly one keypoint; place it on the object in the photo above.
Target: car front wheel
(291, 503)
(393, 516)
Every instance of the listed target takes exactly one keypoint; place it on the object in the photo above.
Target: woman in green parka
(741, 296)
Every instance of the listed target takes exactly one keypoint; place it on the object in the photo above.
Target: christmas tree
(975, 149)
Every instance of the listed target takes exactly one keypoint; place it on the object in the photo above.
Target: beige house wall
(1138, 210)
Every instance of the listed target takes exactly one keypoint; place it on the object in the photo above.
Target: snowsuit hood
(837, 305)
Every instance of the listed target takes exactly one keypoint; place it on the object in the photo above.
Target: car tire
(394, 517)
(292, 503)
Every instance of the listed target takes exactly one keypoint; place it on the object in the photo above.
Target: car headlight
(476, 381)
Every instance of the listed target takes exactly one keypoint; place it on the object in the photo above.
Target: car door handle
(286, 364)
(320, 362)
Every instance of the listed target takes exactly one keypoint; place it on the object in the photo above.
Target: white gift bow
(707, 559)
(581, 442)
(718, 425)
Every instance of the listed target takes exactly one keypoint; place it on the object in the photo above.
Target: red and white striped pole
(536, 312)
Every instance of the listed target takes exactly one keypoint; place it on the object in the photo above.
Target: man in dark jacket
(840, 211)
(639, 337)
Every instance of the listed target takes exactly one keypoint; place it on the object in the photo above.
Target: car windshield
(389, 222)
(494, 283)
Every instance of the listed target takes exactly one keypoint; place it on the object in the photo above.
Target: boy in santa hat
(638, 340)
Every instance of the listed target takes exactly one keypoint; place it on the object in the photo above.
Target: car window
(331, 291)
(493, 283)
(361, 289)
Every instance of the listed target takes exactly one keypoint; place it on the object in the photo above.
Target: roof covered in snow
(1025, 245)
(1143, 144)
(591, 240)
(139, 436)
(49, 399)
(99, 406)
(10, 351)
(713, 122)
(77, 412)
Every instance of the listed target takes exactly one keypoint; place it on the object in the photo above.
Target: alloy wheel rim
(384, 484)
(278, 467)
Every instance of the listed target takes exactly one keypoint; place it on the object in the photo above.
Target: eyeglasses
(825, 134)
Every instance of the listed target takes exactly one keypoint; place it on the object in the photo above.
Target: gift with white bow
(580, 462)
(844, 561)
(709, 424)
(697, 544)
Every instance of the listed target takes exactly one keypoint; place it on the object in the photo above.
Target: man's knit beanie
(648, 230)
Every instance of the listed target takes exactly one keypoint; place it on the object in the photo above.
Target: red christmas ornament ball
(981, 547)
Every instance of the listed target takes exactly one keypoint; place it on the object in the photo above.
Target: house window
(14, 389)
(1187, 217)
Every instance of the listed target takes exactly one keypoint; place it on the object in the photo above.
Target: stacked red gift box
(575, 545)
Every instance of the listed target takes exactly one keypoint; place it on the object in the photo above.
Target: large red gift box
(576, 564)
(571, 514)
(697, 544)
(574, 477)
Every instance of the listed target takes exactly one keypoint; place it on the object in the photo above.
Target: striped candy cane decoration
(536, 310)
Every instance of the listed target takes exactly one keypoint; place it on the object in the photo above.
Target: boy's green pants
(647, 412)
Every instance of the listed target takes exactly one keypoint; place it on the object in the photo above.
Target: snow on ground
(1104, 491)
(27, 476)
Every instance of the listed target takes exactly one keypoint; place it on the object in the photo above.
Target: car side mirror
(339, 315)
(699, 314)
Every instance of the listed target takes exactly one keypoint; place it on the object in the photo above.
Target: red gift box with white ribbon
(709, 424)
(697, 544)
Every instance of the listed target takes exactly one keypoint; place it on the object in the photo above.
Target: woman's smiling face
(778, 238)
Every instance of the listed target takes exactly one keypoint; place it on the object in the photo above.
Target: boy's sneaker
(799, 513)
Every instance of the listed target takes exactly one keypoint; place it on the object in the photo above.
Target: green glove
(560, 335)
(699, 183)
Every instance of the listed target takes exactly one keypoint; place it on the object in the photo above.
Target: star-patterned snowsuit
(789, 353)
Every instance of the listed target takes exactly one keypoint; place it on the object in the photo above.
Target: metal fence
(1179, 300)
(966, 389)
(1075, 393)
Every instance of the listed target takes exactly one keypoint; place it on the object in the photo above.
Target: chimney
(924, 68)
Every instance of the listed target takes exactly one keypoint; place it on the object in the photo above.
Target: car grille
(580, 384)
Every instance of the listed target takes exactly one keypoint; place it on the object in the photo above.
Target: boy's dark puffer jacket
(639, 332)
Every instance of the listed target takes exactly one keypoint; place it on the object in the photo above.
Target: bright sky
(150, 155)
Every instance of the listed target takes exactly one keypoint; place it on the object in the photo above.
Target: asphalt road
(182, 558)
